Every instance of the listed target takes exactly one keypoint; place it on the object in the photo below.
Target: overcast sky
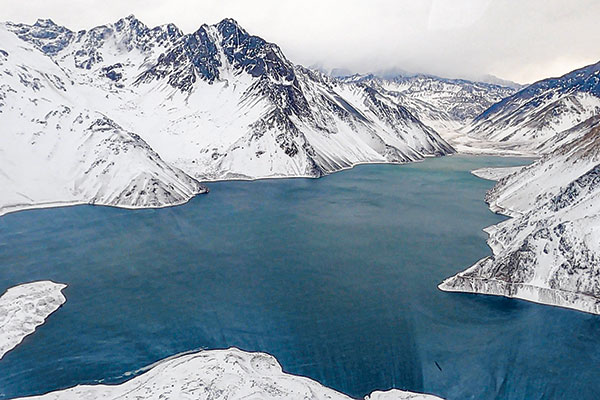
(520, 40)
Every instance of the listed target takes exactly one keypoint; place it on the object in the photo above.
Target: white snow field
(230, 374)
(23, 308)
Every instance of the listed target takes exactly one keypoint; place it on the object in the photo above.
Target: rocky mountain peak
(45, 23)
(229, 26)
(132, 23)
(201, 55)
(47, 36)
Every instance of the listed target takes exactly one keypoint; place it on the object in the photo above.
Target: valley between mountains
(134, 116)
(131, 116)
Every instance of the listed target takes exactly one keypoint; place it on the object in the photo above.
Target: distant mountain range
(446, 105)
(488, 78)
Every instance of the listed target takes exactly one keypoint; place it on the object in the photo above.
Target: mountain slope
(549, 252)
(446, 105)
(220, 103)
(219, 374)
(277, 119)
(54, 151)
(529, 119)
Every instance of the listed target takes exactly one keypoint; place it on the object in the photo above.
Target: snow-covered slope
(218, 103)
(494, 80)
(549, 251)
(527, 121)
(245, 111)
(219, 374)
(446, 105)
(25, 307)
(54, 150)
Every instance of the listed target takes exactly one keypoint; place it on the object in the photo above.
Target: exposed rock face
(549, 251)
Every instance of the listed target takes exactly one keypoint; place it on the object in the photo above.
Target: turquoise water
(336, 277)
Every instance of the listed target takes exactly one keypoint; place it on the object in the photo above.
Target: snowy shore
(547, 252)
(219, 374)
(9, 209)
(23, 308)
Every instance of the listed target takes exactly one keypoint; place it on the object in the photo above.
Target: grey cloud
(518, 40)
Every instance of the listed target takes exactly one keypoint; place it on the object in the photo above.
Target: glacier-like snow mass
(25, 307)
(230, 374)
(549, 251)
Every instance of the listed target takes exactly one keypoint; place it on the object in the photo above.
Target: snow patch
(23, 308)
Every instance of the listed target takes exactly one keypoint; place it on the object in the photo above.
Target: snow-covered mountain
(528, 121)
(57, 150)
(128, 115)
(446, 105)
(218, 375)
(549, 251)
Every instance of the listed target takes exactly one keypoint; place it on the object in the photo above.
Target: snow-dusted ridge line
(25, 307)
(230, 374)
(444, 104)
(529, 120)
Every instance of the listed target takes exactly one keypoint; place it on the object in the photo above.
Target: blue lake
(336, 277)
